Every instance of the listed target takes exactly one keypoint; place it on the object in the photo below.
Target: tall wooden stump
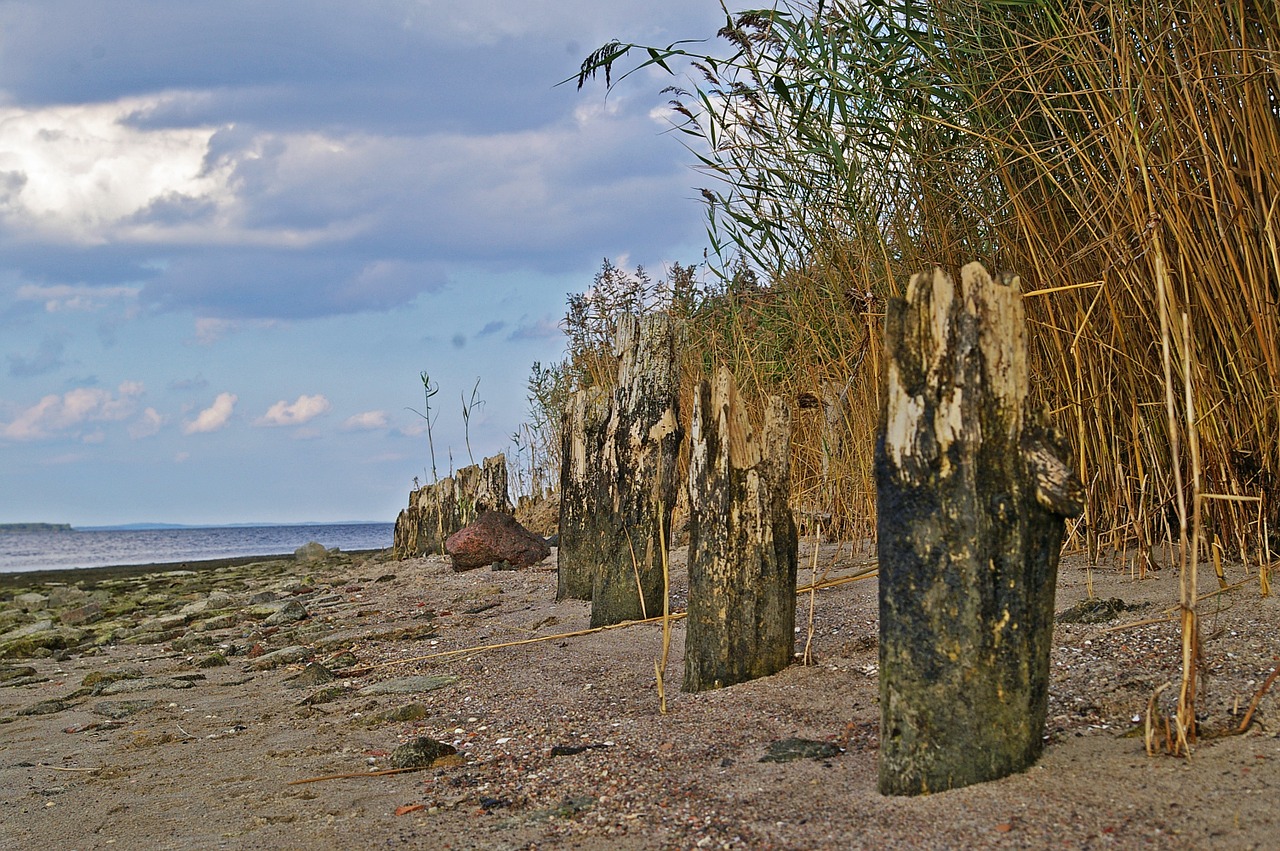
(581, 507)
(637, 472)
(742, 541)
(972, 489)
(438, 510)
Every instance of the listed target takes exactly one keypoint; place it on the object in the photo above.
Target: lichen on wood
(973, 487)
(742, 541)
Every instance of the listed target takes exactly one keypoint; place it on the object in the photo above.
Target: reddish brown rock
(494, 537)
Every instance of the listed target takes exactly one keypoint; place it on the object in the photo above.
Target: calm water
(48, 550)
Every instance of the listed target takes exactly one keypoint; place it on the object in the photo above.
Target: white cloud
(147, 424)
(213, 417)
(366, 421)
(304, 409)
(54, 415)
(75, 171)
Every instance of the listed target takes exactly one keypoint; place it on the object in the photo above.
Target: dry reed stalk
(660, 664)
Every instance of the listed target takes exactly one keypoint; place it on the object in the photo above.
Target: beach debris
(495, 537)
(787, 750)
(574, 750)
(1095, 611)
(420, 753)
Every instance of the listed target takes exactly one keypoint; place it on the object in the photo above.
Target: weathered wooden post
(582, 450)
(438, 510)
(638, 472)
(742, 541)
(972, 491)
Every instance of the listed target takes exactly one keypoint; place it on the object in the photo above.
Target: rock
(495, 537)
(285, 656)
(95, 677)
(314, 674)
(290, 612)
(408, 685)
(400, 715)
(31, 601)
(88, 613)
(786, 750)
(213, 660)
(343, 660)
(117, 709)
(311, 552)
(420, 753)
(143, 684)
(44, 707)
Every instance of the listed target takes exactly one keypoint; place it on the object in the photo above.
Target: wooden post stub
(742, 541)
(972, 493)
(638, 471)
(582, 510)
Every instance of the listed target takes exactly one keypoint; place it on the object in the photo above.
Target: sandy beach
(262, 705)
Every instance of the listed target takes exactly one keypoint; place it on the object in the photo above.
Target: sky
(233, 234)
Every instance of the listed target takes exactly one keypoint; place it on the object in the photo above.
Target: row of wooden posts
(973, 487)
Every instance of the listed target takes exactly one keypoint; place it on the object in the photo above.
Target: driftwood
(742, 541)
(972, 491)
(437, 511)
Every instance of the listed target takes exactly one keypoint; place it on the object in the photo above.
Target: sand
(561, 742)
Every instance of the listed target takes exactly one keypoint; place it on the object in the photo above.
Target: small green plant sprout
(428, 390)
(467, 408)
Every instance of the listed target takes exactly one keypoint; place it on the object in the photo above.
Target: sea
(58, 550)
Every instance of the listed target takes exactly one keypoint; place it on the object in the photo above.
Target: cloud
(305, 408)
(492, 328)
(48, 358)
(56, 415)
(146, 425)
(62, 298)
(75, 173)
(542, 329)
(366, 421)
(213, 417)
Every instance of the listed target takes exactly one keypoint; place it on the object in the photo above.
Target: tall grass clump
(1122, 157)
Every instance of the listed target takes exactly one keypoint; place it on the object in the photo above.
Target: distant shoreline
(16, 528)
(94, 575)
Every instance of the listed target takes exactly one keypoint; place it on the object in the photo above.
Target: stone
(285, 656)
(117, 709)
(420, 753)
(31, 601)
(495, 537)
(290, 612)
(408, 685)
(311, 552)
(314, 674)
(88, 613)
